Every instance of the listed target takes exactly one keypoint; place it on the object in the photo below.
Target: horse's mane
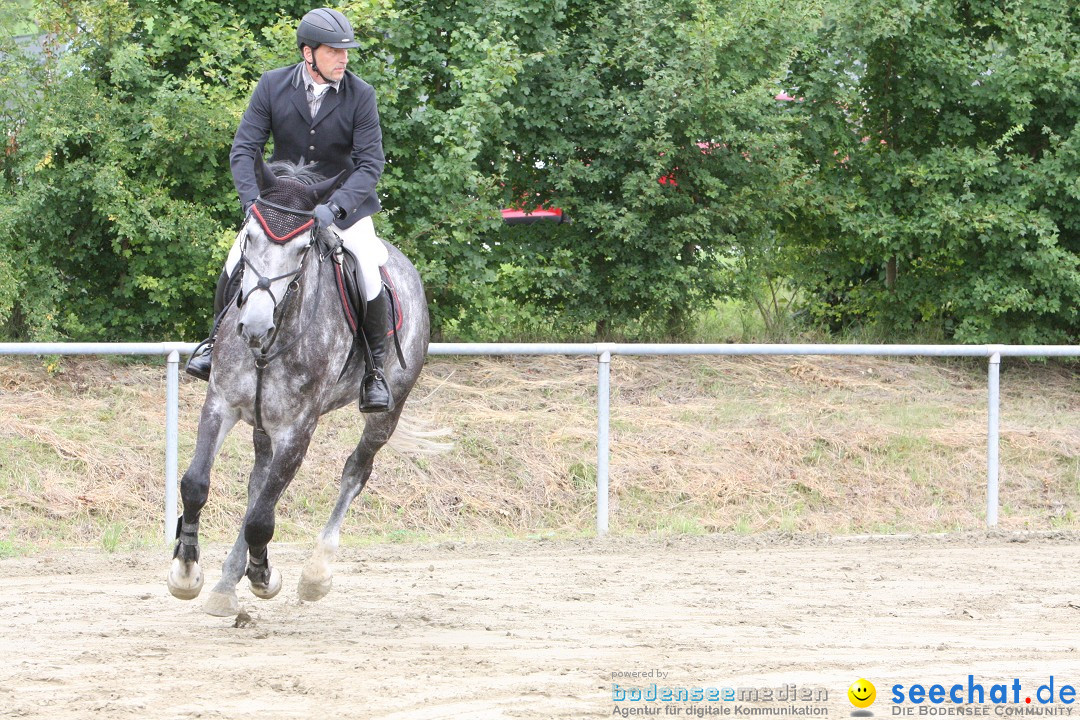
(300, 172)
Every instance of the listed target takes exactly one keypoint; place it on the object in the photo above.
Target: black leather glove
(325, 215)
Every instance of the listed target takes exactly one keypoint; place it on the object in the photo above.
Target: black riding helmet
(324, 26)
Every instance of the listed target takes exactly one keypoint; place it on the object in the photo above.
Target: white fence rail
(603, 353)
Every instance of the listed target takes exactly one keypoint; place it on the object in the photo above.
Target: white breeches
(361, 241)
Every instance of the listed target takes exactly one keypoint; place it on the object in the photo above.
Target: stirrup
(380, 405)
(198, 365)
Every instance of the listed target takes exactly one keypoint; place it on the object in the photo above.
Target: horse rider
(319, 112)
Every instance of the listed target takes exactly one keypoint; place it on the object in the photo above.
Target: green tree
(922, 177)
(942, 140)
(116, 176)
(654, 125)
(442, 72)
(120, 202)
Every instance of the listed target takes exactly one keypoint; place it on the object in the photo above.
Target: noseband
(264, 283)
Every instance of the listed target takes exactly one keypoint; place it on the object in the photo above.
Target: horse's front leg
(289, 447)
(222, 601)
(317, 576)
(185, 578)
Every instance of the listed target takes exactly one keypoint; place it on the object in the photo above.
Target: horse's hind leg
(317, 577)
(222, 601)
(185, 577)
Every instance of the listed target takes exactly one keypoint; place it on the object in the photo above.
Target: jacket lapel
(299, 101)
(331, 100)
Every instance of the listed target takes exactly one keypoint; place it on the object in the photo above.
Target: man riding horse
(319, 112)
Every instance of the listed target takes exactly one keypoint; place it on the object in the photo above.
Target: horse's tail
(415, 437)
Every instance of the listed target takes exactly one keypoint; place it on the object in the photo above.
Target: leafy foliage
(921, 177)
(942, 137)
(119, 198)
(654, 125)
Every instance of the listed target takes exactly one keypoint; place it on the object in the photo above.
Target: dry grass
(836, 445)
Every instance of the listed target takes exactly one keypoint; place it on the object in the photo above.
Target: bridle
(263, 355)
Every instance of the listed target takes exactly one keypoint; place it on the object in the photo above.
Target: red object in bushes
(706, 149)
(513, 216)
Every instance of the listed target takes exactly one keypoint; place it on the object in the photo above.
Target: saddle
(349, 282)
(350, 285)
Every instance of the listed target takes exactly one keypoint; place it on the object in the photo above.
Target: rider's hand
(324, 216)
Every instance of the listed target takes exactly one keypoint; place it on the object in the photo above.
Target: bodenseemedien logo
(862, 695)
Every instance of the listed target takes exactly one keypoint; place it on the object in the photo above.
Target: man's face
(330, 60)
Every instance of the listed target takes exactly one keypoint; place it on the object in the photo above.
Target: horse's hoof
(185, 586)
(311, 589)
(221, 604)
(273, 586)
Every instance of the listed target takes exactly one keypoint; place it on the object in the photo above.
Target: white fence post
(603, 393)
(992, 437)
(172, 434)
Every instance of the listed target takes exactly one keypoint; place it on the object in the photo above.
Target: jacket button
(311, 147)
(312, 132)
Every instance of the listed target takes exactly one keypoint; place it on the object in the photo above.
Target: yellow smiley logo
(862, 693)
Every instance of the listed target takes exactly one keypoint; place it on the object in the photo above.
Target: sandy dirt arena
(537, 629)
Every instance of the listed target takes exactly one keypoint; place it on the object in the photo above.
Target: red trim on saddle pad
(339, 275)
(400, 319)
(350, 318)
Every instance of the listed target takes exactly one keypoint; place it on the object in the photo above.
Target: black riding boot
(198, 365)
(374, 390)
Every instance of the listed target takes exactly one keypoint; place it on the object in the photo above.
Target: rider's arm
(251, 137)
(367, 155)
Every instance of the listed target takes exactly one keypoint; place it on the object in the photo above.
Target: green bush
(116, 180)
(922, 181)
(941, 137)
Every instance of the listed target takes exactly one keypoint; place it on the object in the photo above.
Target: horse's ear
(321, 191)
(264, 176)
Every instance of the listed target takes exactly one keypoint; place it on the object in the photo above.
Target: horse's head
(279, 234)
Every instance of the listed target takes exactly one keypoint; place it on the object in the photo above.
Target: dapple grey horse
(282, 359)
